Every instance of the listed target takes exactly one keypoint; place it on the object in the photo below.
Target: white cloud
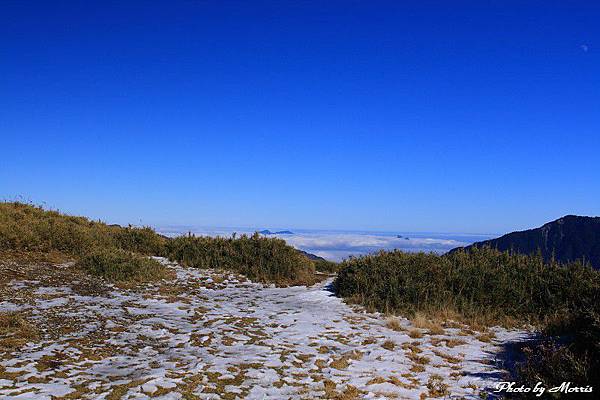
(339, 245)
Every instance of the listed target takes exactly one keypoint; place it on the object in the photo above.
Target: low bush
(326, 267)
(261, 259)
(116, 265)
(482, 284)
(494, 287)
(142, 240)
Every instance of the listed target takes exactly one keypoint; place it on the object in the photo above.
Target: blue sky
(411, 116)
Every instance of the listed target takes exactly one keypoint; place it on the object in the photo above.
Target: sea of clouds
(338, 245)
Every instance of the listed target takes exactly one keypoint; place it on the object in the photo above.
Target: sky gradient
(479, 117)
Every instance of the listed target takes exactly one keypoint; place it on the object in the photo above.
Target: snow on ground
(211, 334)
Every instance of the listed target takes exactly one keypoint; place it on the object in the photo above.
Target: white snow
(240, 338)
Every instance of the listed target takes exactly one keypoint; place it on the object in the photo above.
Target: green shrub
(482, 284)
(140, 240)
(259, 258)
(117, 265)
(493, 287)
(28, 228)
(327, 267)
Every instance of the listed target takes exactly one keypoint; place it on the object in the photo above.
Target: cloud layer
(336, 246)
(339, 245)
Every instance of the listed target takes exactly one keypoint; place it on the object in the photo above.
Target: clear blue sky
(415, 116)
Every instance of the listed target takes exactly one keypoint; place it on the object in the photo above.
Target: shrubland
(486, 286)
(117, 265)
(120, 253)
(482, 284)
(259, 258)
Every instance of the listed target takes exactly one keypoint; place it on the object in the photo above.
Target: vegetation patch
(117, 265)
(394, 324)
(389, 345)
(484, 287)
(482, 284)
(436, 387)
(32, 229)
(115, 252)
(326, 267)
(569, 351)
(15, 330)
(261, 259)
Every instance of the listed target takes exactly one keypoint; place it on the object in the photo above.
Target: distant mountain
(310, 256)
(568, 238)
(268, 232)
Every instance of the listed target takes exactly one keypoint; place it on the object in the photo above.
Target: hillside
(567, 239)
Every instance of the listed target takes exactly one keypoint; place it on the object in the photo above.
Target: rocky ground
(211, 334)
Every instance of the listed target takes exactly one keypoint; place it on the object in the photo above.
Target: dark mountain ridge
(268, 232)
(568, 238)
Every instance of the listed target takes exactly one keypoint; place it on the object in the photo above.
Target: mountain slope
(567, 239)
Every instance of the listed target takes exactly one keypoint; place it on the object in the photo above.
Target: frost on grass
(211, 334)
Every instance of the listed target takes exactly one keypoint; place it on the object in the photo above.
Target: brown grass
(389, 345)
(416, 368)
(486, 337)
(16, 330)
(394, 324)
(449, 358)
(436, 387)
(344, 361)
(413, 347)
(422, 322)
(415, 334)
(415, 358)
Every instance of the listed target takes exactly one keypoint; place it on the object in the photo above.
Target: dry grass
(486, 337)
(377, 380)
(344, 361)
(394, 324)
(422, 322)
(413, 347)
(417, 368)
(369, 340)
(451, 343)
(389, 345)
(16, 330)
(436, 387)
(415, 358)
(349, 393)
(455, 342)
(449, 358)
(415, 334)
